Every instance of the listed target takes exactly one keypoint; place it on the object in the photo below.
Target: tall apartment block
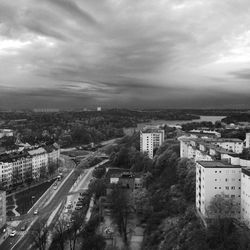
(150, 139)
(2, 208)
(217, 178)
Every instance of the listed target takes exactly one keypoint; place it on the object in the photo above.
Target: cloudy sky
(125, 53)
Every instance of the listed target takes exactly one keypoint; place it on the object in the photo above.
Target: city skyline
(168, 54)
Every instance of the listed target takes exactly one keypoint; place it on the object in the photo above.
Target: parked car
(78, 207)
(23, 227)
(13, 233)
(36, 212)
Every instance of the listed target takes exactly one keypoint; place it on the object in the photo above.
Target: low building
(124, 178)
(2, 209)
(217, 178)
(6, 133)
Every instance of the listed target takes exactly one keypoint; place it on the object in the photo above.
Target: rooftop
(37, 151)
(246, 170)
(152, 130)
(217, 164)
(12, 157)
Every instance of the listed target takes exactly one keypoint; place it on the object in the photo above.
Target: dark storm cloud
(135, 52)
(241, 74)
(73, 10)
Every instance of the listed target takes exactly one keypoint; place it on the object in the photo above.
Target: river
(203, 118)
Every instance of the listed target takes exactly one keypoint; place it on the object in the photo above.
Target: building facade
(150, 139)
(217, 179)
(2, 208)
(39, 162)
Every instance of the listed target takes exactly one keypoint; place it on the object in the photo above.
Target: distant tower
(99, 109)
(247, 140)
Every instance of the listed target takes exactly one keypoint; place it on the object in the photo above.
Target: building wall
(217, 181)
(150, 141)
(247, 140)
(245, 199)
(236, 147)
(38, 162)
(2, 208)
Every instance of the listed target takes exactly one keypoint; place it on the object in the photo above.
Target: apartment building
(2, 208)
(6, 133)
(217, 178)
(39, 161)
(245, 196)
(209, 148)
(14, 168)
(53, 152)
(150, 139)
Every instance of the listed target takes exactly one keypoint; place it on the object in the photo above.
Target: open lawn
(76, 153)
(25, 200)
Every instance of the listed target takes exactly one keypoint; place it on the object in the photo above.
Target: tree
(39, 235)
(98, 187)
(142, 202)
(186, 173)
(120, 210)
(59, 235)
(222, 207)
(52, 167)
(73, 230)
(90, 239)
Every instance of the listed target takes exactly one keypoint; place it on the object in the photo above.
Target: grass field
(24, 199)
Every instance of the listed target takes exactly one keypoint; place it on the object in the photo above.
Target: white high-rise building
(151, 138)
(245, 196)
(247, 140)
(217, 178)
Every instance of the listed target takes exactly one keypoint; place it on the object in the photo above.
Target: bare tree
(39, 235)
(59, 236)
(121, 208)
(73, 231)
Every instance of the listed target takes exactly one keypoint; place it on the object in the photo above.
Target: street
(44, 213)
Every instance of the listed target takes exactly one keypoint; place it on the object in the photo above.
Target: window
(215, 179)
(226, 179)
(233, 187)
(227, 188)
(232, 196)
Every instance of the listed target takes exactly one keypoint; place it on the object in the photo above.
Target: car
(55, 187)
(78, 207)
(23, 227)
(84, 193)
(79, 204)
(36, 212)
(13, 233)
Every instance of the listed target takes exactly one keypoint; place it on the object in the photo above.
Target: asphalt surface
(27, 241)
(44, 213)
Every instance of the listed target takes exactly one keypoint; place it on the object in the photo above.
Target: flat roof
(246, 170)
(217, 164)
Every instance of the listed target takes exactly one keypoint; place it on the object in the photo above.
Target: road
(44, 214)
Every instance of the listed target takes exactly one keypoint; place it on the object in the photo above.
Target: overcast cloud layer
(125, 53)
